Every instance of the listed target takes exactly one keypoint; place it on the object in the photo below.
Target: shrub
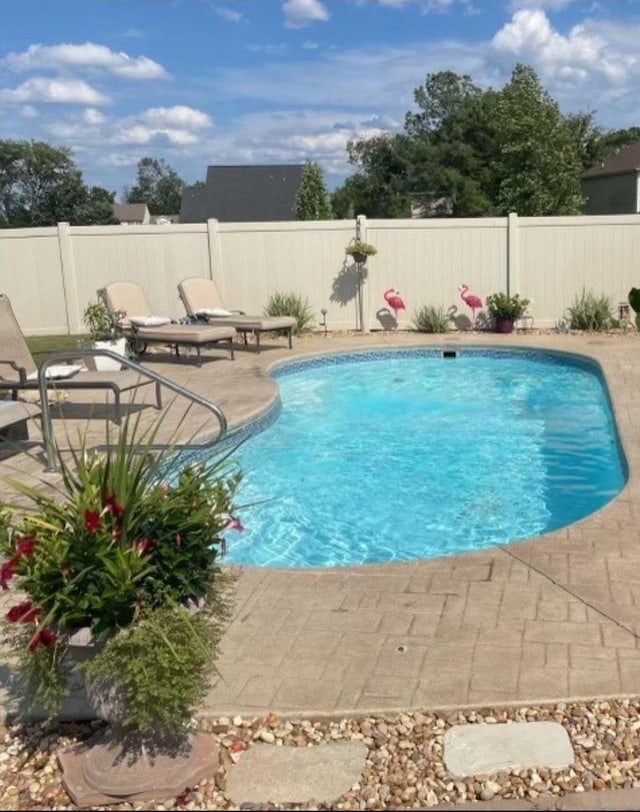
(125, 556)
(634, 301)
(431, 319)
(290, 304)
(503, 306)
(591, 312)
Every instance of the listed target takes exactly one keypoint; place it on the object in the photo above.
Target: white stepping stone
(484, 749)
(268, 773)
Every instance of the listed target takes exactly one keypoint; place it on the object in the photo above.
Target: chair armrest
(22, 372)
(239, 312)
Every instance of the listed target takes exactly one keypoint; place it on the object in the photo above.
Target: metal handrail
(47, 428)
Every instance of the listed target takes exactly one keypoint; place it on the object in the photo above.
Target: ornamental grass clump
(131, 558)
(591, 311)
(431, 319)
(291, 304)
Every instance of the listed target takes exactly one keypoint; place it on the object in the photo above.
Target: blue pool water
(399, 455)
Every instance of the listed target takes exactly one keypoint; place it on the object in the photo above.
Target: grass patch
(39, 346)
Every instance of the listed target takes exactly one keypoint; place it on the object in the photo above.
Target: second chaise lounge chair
(202, 300)
(141, 327)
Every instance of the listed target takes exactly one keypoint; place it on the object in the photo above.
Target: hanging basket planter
(359, 251)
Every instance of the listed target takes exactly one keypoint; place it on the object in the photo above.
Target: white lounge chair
(202, 300)
(142, 327)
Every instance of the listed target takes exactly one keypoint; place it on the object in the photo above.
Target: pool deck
(549, 619)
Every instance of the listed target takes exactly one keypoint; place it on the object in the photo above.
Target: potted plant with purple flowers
(505, 309)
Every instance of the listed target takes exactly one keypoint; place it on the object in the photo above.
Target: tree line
(465, 152)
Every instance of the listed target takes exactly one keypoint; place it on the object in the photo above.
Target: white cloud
(179, 116)
(230, 14)
(579, 56)
(427, 6)
(552, 5)
(28, 111)
(300, 13)
(93, 116)
(87, 56)
(60, 91)
(139, 134)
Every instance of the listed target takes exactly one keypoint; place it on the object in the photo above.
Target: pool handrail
(47, 428)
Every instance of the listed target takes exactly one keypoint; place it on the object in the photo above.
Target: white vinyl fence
(51, 274)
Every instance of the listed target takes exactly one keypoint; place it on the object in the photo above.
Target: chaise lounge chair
(142, 327)
(18, 370)
(202, 301)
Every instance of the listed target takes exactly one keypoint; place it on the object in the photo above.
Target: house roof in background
(625, 160)
(243, 194)
(130, 212)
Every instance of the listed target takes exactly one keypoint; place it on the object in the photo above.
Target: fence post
(364, 292)
(215, 253)
(69, 281)
(512, 253)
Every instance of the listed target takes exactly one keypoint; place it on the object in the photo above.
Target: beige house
(613, 186)
(132, 214)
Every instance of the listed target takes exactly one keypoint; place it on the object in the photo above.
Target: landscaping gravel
(404, 768)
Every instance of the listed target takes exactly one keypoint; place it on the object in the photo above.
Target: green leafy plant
(131, 558)
(102, 323)
(360, 248)
(634, 301)
(590, 311)
(431, 319)
(502, 306)
(290, 304)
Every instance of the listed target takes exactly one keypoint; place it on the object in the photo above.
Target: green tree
(610, 141)
(380, 188)
(469, 152)
(157, 185)
(97, 208)
(40, 185)
(453, 141)
(312, 199)
(538, 164)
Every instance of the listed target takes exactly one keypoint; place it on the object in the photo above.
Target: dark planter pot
(505, 325)
(360, 258)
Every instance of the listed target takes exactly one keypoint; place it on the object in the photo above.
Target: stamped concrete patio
(548, 619)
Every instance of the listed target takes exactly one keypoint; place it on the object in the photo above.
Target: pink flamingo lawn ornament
(470, 299)
(392, 298)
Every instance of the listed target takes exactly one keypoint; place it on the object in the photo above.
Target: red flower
(8, 570)
(92, 521)
(43, 637)
(114, 506)
(26, 545)
(23, 613)
(143, 545)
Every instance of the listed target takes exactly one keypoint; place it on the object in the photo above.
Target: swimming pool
(405, 454)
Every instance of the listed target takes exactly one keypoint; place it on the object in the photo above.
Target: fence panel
(51, 274)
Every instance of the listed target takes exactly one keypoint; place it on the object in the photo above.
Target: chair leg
(290, 337)
(158, 396)
(116, 406)
(256, 333)
(231, 353)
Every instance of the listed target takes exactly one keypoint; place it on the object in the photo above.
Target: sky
(202, 82)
